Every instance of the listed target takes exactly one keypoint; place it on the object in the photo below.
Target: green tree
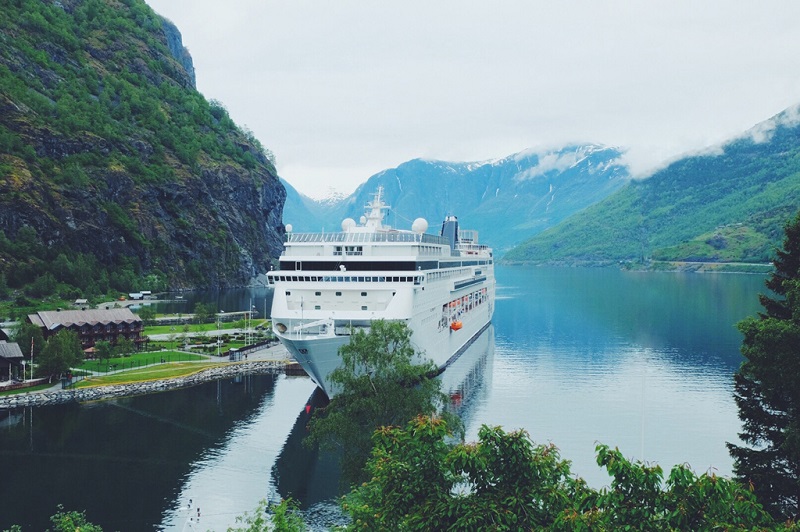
(202, 313)
(62, 352)
(103, 350)
(280, 517)
(148, 315)
(29, 335)
(380, 382)
(3, 286)
(73, 521)
(506, 482)
(124, 346)
(766, 388)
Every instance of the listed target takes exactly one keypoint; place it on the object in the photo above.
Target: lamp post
(218, 335)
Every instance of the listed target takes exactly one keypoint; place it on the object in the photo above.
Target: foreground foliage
(766, 387)
(381, 382)
(271, 517)
(506, 482)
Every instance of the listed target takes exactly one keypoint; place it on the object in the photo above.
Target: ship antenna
(375, 210)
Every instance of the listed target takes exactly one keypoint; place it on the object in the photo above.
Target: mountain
(307, 215)
(506, 199)
(113, 167)
(729, 204)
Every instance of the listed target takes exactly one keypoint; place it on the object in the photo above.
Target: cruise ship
(331, 284)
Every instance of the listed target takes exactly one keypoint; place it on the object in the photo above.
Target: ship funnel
(450, 230)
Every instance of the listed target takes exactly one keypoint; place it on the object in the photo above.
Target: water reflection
(235, 299)
(119, 460)
(575, 356)
(639, 361)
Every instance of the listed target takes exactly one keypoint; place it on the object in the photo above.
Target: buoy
(456, 325)
(308, 409)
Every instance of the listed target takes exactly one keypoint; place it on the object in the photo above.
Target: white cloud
(340, 90)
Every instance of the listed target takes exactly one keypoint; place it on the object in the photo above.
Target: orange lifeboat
(456, 325)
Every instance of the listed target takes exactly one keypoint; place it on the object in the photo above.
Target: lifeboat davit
(456, 325)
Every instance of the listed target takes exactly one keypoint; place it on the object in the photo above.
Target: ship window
(363, 307)
(338, 293)
(317, 307)
(317, 293)
(374, 279)
(288, 293)
(360, 279)
(340, 279)
(363, 294)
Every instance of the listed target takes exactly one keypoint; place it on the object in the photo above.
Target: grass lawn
(139, 359)
(162, 371)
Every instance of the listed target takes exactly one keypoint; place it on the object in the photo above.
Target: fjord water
(641, 361)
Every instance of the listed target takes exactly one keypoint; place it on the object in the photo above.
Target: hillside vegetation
(725, 206)
(113, 168)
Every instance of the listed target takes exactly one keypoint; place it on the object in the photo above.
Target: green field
(162, 371)
(138, 360)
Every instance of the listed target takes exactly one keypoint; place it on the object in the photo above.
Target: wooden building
(91, 325)
(10, 361)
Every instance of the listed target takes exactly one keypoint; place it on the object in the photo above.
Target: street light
(218, 335)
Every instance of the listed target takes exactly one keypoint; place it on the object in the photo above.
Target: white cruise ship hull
(313, 337)
(330, 284)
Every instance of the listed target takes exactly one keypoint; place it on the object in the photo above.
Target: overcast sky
(342, 89)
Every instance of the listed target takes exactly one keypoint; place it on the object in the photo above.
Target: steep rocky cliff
(113, 166)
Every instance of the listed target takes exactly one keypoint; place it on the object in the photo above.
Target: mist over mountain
(506, 199)
(727, 204)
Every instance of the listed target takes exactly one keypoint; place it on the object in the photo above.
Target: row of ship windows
(417, 279)
(338, 294)
(447, 273)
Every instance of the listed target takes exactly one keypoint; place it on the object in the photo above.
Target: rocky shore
(97, 393)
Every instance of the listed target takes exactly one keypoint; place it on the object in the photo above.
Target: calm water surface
(641, 361)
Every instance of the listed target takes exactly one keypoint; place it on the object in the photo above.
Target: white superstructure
(329, 284)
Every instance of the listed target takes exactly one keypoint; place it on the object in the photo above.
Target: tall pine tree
(767, 387)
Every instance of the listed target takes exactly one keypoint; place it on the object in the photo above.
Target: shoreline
(112, 391)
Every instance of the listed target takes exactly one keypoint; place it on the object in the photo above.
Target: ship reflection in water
(312, 476)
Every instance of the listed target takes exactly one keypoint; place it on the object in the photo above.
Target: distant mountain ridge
(727, 204)
(506, 199)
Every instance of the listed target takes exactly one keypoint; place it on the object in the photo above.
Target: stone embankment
(97, 393)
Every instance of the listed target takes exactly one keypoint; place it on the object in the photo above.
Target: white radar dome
(288, 228)
(363, 220)
(420, 225)
(347, 224)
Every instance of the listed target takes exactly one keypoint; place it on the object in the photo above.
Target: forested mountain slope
(113, 167)
(726, 205)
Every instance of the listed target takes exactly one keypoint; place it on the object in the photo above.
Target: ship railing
(390, 236)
